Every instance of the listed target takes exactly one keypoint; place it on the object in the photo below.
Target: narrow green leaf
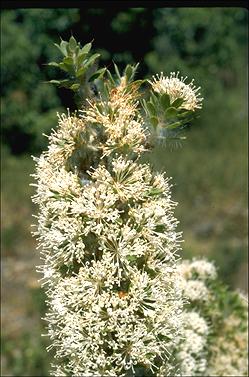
(77, 50)
(110, 77)
(72, 43)
(154, 99)
(81, 57)
(81, 71)
(68, 60)
(53, 64)
(117, 71)
(86, 48)
(144, 106)
(63, 67)
(154, 121)
(128, 72)
(160, 228)
(97, 74)
(66, 83)
(62, 47)
(154, 191)
(148, 307)
(165, 100)
(135, 70)
(92, 59)
(149, 300)
(178, 102)
(58, 46)
(184, 113)
(138, 82)
(151, 108)
(131, 258)
(56, 82)
(133, 85)
(106, 91)
(61, 83)
(173, 125)
(171, 112)
(102, 87)
(75, 87)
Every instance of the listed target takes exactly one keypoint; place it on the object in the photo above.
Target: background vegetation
(209, 171)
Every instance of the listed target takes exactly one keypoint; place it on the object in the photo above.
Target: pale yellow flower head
(176, 88)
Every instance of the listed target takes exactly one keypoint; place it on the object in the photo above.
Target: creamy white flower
(196, 290)
(176, 88)
(202, 268)
(194, 321)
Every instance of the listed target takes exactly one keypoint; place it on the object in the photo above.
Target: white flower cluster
(192, 350)
(195, 273)
(120, 119)
(176, 88)
(108, 245)
(229, 352)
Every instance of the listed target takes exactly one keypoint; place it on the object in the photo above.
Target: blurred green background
(209, 170)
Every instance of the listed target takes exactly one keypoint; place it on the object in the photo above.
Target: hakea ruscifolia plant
(107, 231)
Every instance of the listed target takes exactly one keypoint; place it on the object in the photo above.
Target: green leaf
(144, 106)
(72, 43)
(63, 47)
(184, 113)
(61, 83)
(97, 74)
(160, 228)
(178, 102)
(138, 82)
(154, 191)
(53, 64)
(63, 67)
(92, 59)
(131, 258)
(174, 125)
(154, 99)
(66, 83)
(56, 82)
(59, 47)
(86, 48)
(134, 70)
(151, 108)
(77, 50)
(165, 100)
(75, 87)
(154, 121)
(128, 72)
(110, 77)
(103, 89)
(133, 85)
(149, 300)
(81, 57)
(81, 71)
(117, 71)
(68, 60)
(171, 112)
(148, 307)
